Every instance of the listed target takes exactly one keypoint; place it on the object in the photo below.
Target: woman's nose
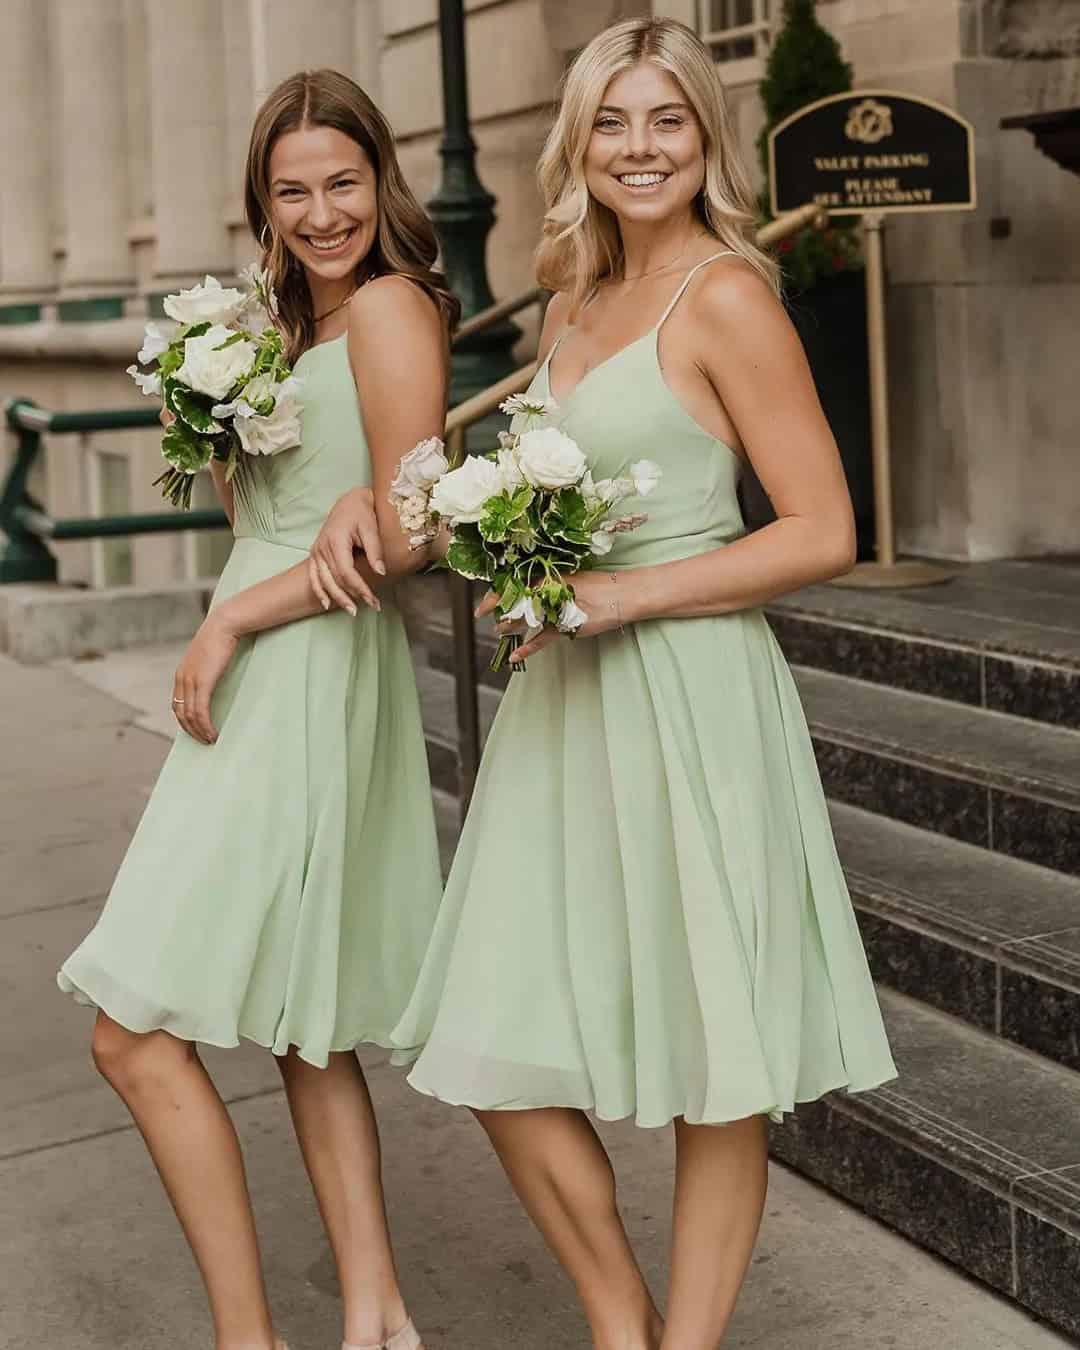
(640, 141)
(321, 213)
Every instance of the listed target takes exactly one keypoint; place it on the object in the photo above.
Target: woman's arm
(754, 360)
(268, 604)
(400, 363)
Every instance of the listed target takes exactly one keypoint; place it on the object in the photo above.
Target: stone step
(1001, 782)
(41, 622)
(440, 724)
(979, 935)
(1006, 636)
(974, 1153)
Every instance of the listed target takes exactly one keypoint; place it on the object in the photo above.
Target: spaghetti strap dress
(282, 883)
(646, 916)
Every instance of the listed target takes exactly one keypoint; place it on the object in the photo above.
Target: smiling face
(324, 201)
(645, 158)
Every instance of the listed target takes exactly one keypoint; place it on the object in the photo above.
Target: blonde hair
(405, 244)
(581, 242)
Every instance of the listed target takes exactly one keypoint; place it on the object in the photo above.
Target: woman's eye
(607, 124)
(289, 192)
(670, 123)
(345, 183)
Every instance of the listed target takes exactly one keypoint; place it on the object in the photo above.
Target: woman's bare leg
(335, 1123)
(721, 1175)
(563, 1177)
(194, 1146)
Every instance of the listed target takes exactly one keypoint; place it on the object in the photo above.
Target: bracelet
(614, 602)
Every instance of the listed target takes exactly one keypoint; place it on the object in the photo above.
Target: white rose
(462, 494)
(527, 609)
(646, 475)
(571, 617)
(209, 368)
(550, 459)
(420, 469)
(601, 543)
(510, 468)
(149, 384)
(209, 302)
(155, 341)
(268, 435)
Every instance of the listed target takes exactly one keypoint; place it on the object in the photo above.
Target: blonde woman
(646, 916)
(283, 881)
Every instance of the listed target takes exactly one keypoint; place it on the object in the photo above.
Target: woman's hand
(350, 525)
(597, 593)
(197, 677)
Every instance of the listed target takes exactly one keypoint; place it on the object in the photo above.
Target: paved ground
(90, 1257)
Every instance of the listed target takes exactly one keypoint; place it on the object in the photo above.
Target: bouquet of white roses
(523, 517)
(223, 375)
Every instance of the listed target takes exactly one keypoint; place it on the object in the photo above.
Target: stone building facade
(121, 177)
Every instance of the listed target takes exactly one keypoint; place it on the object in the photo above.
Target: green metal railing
(27, 525)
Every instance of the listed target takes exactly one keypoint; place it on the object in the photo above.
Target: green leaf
(468, 557)
(193, 330)
(194, 409)
(171, 359)
(184, 449)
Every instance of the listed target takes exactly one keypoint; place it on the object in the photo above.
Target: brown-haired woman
(283, 880)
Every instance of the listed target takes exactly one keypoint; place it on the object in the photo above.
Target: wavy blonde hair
(581, 243)
(405, 243)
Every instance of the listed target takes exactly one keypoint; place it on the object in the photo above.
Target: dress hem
(79, 995)
(774, 1112)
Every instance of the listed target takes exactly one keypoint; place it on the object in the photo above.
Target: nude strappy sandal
(408, 1338)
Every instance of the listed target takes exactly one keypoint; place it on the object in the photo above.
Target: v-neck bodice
(623, 410)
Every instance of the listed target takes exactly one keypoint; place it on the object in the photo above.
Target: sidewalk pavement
(90, 1255)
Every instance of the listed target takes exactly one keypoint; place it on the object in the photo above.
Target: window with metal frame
(735, 30)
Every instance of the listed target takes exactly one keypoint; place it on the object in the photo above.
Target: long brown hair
(405, 243)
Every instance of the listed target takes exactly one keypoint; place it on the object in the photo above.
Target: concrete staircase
(947, 727)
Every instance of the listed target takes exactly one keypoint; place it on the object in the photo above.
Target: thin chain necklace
(342, 303)
(665, 267)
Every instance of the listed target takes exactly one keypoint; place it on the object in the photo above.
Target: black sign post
(873, 153)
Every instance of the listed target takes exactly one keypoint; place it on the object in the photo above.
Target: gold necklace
(653, 271)
(341, 305)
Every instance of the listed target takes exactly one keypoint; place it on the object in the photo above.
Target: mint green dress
(282, 883)
(646, 916)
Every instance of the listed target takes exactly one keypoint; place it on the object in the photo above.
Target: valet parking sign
(872, 151)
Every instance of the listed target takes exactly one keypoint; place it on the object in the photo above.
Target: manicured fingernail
(325, 604)
(380, 567)
(352, 610)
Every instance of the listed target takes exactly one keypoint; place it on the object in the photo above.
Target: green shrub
(806, 64)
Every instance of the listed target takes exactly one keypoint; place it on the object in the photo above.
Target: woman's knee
(131, 1059)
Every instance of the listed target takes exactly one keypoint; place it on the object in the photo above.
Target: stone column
(285, 39)
(90, 67)
(27, 272)
(189, 140)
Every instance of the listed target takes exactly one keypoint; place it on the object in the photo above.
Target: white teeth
(641, 179)
(335, 241)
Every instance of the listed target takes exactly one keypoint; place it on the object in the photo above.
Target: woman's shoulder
(556, 322)
(731, 289)
(395, 297)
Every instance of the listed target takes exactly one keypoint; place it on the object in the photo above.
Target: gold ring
(178, 702)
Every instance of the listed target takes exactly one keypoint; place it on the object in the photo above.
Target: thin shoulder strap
(724, 253)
